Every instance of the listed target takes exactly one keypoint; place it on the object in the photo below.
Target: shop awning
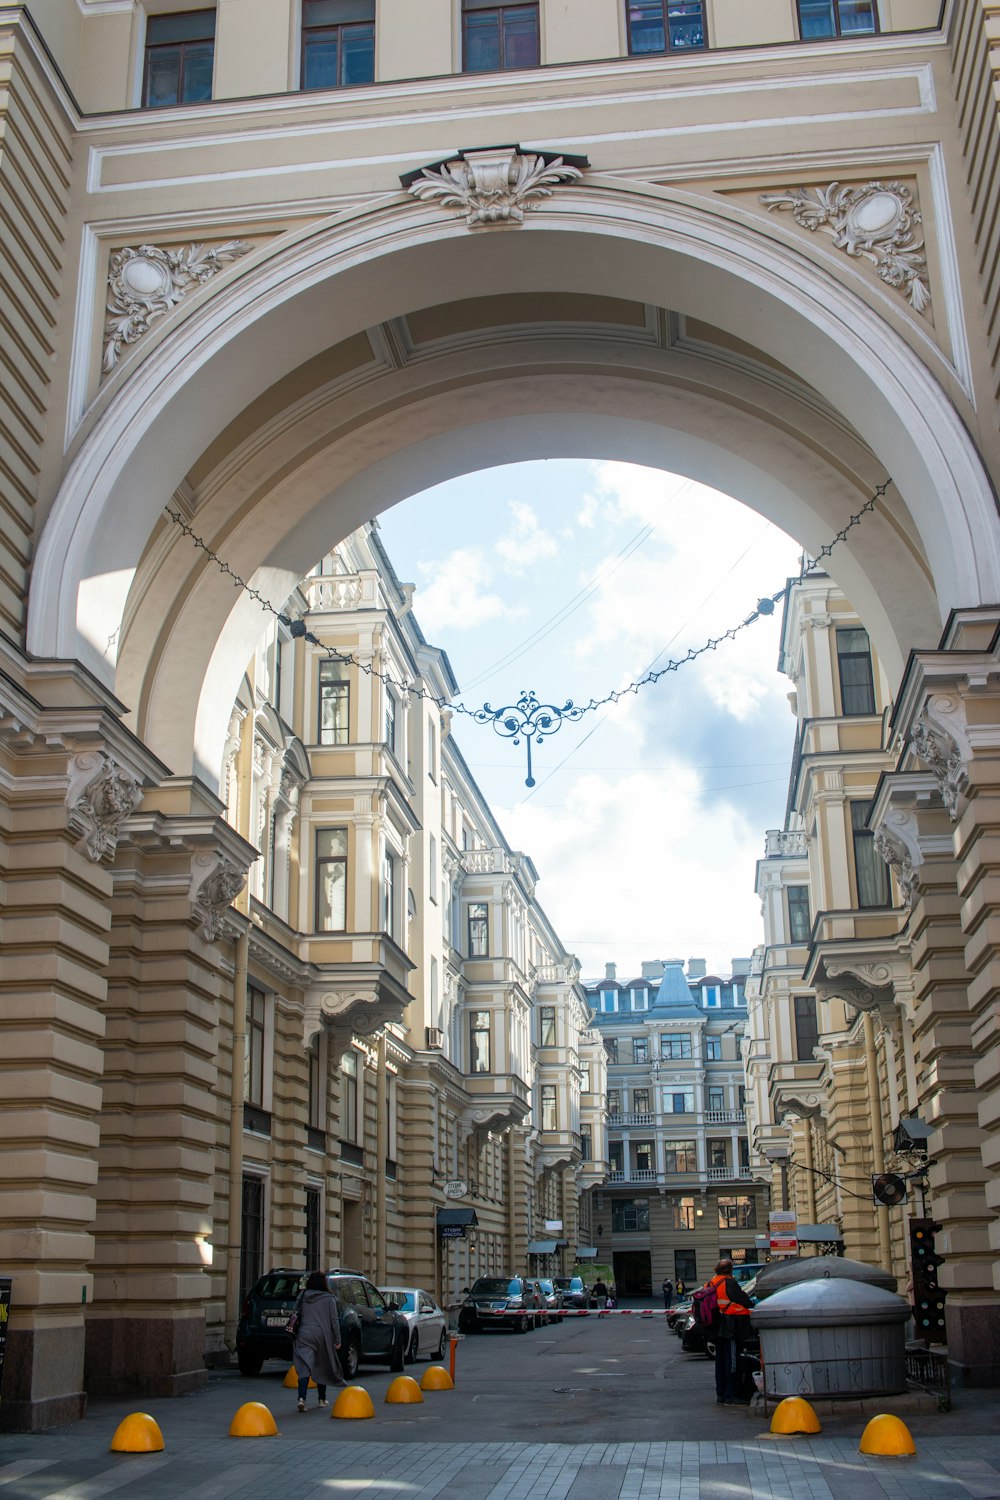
(586, 1252)
(450, 1218)
(542, 1247)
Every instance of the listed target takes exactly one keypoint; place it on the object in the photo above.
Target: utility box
(832, 1337)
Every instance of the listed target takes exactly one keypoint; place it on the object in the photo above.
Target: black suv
(369, 1328)
(510, 1302)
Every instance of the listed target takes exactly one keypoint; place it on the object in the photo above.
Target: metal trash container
(832, 1337)
(778, 1274)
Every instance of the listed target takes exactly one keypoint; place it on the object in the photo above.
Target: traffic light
(928, 1299)
(889, 1189)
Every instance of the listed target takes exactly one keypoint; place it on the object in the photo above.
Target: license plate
(276, 1322)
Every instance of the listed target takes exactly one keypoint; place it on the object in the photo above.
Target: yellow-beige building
(268, 267)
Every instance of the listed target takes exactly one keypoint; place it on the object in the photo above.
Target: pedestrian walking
(599, 1293)
(680, 1289)
(316, 1339)
(668, 1291)
(731, 1332)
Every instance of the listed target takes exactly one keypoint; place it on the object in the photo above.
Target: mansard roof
(673, 999)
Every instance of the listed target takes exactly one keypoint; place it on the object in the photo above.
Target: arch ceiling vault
(338, 368)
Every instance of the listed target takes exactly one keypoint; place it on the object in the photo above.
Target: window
(314, 1097)
(338, 43)
(715, 1097)
(686, 1267)
(678, 1102)
(871, 872)
(681, 1156)
(611, 1048)
(479, 929)
(614, 1102)
(432, 860)
(819, 18)
(479, 1041)
(547, 1026)
(643, 1156)
(684, 1217)
(585, 1078)
(549, 1113)
(390, 904)
(640, 999)
(251, 1233)
(495, 36)
(609, 1001)
(717, 1156)
(314, 1255)
(640, 1101)
(854, 663)
(180, 52)
(390, 721)
(640, 1049)
(712, 994)
(678, 1046)
(331, 880)
(798, 913)
(806, 1027)
(615, 1157)
(713, 1049)
(737, 1213)
(586, 1145)
(334, 704)
(432, 743)
(630, 1215)
(665, 25)
(253, 1062)
(349, 1096)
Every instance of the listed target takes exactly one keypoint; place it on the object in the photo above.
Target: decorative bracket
(352, 1013)
(215, 884)
(944, 749)
(100, 796)
(494, 187)
(865, 986)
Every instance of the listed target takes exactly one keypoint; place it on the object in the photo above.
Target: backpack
(706, 1305)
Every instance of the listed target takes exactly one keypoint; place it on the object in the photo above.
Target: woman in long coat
(317, 1339)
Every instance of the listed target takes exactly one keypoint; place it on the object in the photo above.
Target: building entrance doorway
(633, 1273)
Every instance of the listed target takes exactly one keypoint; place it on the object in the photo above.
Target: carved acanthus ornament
(147, 282)
(493, 187)
(891, 848)
(875, 221)
(100, 796)
(865, 986)
(215, 884)
(943, 755)
(346, 1014)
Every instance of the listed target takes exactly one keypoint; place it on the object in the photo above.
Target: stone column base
(132, 1356)
(973, 1330)
(39, 1364)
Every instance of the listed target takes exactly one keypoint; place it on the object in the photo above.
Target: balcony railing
(645, 1119)
(730, 1174)
(787, 843)
(725, 1117)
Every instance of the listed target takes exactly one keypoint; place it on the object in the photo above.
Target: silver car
(424, 1318)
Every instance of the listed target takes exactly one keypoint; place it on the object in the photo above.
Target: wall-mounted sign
(451, 1231)
(555, 1225)
(783, 1233)
(457, 1187)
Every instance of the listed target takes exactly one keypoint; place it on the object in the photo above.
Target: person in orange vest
(732, 1331)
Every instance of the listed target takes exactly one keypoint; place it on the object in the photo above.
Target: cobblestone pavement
(68, 1467)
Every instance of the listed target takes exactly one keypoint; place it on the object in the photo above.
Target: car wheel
(413, 1347)
(350, 1357)
(250, 1364)
(710, 1349)
(443, 1345)
(397, 1358)
(521, 1324)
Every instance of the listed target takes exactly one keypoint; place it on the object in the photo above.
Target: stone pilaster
(170, 976)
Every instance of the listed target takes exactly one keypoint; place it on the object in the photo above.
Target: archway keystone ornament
(494, 187)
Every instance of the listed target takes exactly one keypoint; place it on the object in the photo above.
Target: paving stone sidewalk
(77, 1467)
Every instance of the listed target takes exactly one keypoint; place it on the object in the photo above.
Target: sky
(571, 578)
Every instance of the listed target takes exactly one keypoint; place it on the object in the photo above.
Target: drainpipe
(878, 1149)
(235, 1232)
(381, 1152)
(810, 1173)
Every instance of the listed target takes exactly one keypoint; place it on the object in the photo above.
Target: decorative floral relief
(896, 855)
(943, 757)
(875, 221)
(100, 796)
(147, 282)
(493, 187)
(215, 884)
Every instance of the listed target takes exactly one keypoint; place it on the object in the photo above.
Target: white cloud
(457, 594)
(643, 867)
(525, 542)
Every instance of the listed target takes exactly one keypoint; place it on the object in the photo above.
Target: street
(595, 1409)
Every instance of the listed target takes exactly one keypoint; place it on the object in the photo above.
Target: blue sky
(571, 578)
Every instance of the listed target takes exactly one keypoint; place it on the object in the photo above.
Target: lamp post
(778, 1154)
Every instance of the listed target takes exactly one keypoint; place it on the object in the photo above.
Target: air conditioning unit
(433, 1038)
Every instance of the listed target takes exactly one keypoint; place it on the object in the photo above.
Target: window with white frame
(479, 929)
(713, 1049)
(614, 1102)
(334, 703)
(640, 1049)
(479, 1041)
(255, 1058)
(390, 894)
(640, 998)
(712, 994)
(676, 1045)
(550, 1115)
(432, 857)
(678, 1102)
(547, 1026)
(349, 1097)
(331, 879)
(680, 1156)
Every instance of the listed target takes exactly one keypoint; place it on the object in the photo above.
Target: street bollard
(453, 1345)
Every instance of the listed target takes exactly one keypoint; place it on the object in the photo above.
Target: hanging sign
(783, 1233)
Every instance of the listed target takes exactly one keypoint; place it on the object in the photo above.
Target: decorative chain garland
(528, 718)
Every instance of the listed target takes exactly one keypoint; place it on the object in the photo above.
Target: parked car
(510, 1302)
(678, 1315)
(553, 1296)
(369, 1328)
(424, 1318)
(573, 1290)
(695, 1337)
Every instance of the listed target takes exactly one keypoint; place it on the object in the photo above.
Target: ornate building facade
(266, 269)
(680, 1190)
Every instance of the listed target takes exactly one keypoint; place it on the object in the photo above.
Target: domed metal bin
(832, 1337)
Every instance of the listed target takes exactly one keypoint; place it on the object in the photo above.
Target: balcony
(730, 1174)
(785, 844)
(725, 1117)
(616, 1121)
